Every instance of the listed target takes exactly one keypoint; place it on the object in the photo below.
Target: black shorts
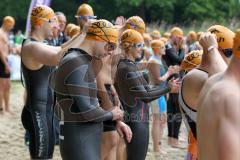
(109, 126)
(2, 71)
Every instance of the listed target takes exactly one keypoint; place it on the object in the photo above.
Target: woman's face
(162, 50)
(159, 51)
(136, 50)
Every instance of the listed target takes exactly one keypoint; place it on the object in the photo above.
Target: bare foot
(175, 143)
(182, 139)
(9, 112)
(3, 112)
(163, 152)
(178, 145)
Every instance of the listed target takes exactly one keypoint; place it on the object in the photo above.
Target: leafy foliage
(183, 12)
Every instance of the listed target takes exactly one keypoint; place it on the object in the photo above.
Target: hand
(7, 69)
(181, 42)
(117, 113)
(176, 69)
(143, 64)
(120, 21)
(207, 39)
(124, 129)
(174, 84)
(170, 70)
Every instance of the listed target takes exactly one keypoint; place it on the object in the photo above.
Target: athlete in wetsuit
(135, 93)
(75, 84)
(37, 59)
(136, 23)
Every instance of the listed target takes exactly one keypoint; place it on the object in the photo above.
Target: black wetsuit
(37, 114)
(135, 93)
(174, 118)
(81, 119)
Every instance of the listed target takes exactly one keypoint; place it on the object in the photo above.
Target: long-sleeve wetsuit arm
(86, 97)
(138, 86)
(174, 57)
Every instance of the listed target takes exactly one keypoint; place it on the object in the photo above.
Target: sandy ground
(12, 135)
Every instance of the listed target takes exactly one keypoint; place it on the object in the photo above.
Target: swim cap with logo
(103, 31)
(224, 36)
(40, 14)
(130, 37)
(236, 44)
(136, 23)
(192, 60)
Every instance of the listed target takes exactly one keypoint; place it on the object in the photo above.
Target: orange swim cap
(68, 28)
(74, 31)
(103, 31)
(236, 45)
(136, 23)
(9, 21)
(130, 37)
(85, 10)
(147, 37)
(157, 43)
(156, 34)
(192, 60)
(176, 31)
(164, 40)
(40, 14)
(166, 35)
(224, 36)
(193, 35)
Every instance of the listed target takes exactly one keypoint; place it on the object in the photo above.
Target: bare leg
(121, 150)
(163, 122)
(1, 94)
(6, 94)
(155, 132)
(109, 145)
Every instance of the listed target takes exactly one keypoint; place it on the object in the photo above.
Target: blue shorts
(162, 104)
